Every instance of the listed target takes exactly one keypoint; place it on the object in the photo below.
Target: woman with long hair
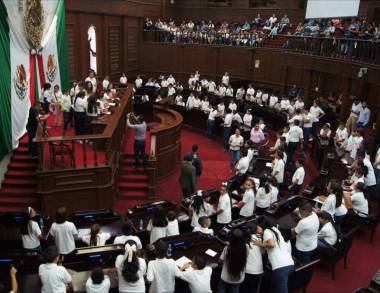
(157, 226)
(130, 270)
(279, 256)
(234, 258)
(30, 231)
(96, 237)
(200, 207)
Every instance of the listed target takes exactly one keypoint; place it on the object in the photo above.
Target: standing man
(298, 178)
(364, 116)
(187, 178)
(139, 125)
(295, 139)
(197, 162)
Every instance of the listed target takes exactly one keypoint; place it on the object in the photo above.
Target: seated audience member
(130, 270)
(98, 282)
(334, 204)
(200, 207)
(63, 232)
(162, 271)
(370, 178)
(234, 259)
(247, 204)
(376, 165)
(358, 199)
(306, 233)
(264, 196)
(54, 278)
(224, 206)
(257, 135)
(96, 237)
(327, 235)
(279, 256)
(127, 231)
(173, 228)
(179, 100)
(197, 274)
(298, 178)
(204, 223)
(30, 231)
(157, 227)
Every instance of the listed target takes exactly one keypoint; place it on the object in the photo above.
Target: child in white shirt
(157, 227)
(96, 237)
(97, 282)
(173, 228)
(327, 235)
(204, 226)
(30, 231)
(162, 271)
(197, 274)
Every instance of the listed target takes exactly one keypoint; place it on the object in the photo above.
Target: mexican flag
(32, 51)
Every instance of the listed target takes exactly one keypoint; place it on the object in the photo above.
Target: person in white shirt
(127, 231)
(273, 100)
(265, 99)
(353, 143)
(232, 106)
(221, 90)
(325, 132)
(235, 142)
(157, 227)
(162, 271)
(370, 177)
(96, 237)
(66, 109)
(274, 189)
(173, 228)
(250, 93)
(240, 93)
(211, 122)
(190, 103)
(204, 226)
(138, 82)
(247, 118)
(226, 79)
(341, 136)
(30, 231)
(164, 82)
(243, 164)
(211, 87)
(130, 270)
(123, 80)
(200, 207)
(171, 79)
(285, 103)
(80, 108)
(205, 105)
(92, 78)
(106, 82)
(317, 113)
(299, 104)
(307, 122)
(229, 92)
(264, 196)
(306, 233)
(191, 82)
(358, 199)
(234, 258)
(295, 139)
(298, 178)
(247, 204)
(227, 128)
(327, 235)
(197, 102)
(278, 167)
(224, 206)
(171, 90)
(197, 274)
(279, 256)
(254, 269)
(63, 232)
(54, 278)
(352, 120)
(97, 282)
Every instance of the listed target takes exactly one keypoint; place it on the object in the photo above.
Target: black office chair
(301, 277)
(362, 221)
(341, 250)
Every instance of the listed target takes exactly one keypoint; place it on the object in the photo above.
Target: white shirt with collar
(173, 228)
(198, 280)
(221, 109)
(247, 119)
(103, 287)
(295, 134)
(250, 91)
(329, 206)
(356, 109)
(243, 165)
(307, 233)
(236, 142)
(298, 176)
(254, 259)
(273, 100)
(308, 120)
(316, 111)
(279, 166)
(328, 234)
(342, 134)
(370, 179)
(228, 120)
(54, 278)
(359, 202)
(263, 199)
(156, 233)
(123, 80)
(249, 203)
(161, 273)
(64, 235)
(128, 287)
(212, 114)
(225, 205)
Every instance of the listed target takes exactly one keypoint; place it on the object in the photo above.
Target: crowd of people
(242, 262)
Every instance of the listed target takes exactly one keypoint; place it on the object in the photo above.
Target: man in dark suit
(197, 162)
(187, 178)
